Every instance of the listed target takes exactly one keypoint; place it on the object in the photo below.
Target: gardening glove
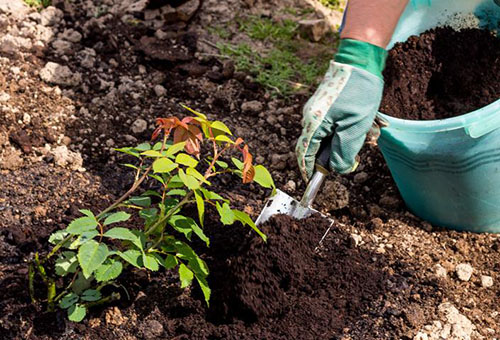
(343, 107)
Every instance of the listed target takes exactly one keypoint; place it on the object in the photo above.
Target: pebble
(110, 143)
(253, 106)
(59, 75)
(71, 35)
(357, 239)
(66, 158)
(152, 330)
(360, 177)
(464, 271)
(51, 16)
(139, 126)
(486, 281)
(10, 44)
(160, 91)
(4, 97)
(290, 186)
(440, 271)
(388, 201)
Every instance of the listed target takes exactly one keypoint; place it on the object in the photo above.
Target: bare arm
(372, 21)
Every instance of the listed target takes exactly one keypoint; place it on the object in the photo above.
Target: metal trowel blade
(281, 203)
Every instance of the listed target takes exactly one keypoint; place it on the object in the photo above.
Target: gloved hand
(344, 106)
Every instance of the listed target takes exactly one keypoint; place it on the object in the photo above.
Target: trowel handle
(320, 173)
(324, 155)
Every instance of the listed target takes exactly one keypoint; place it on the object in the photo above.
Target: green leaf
(116, 217)
(150, 262)
(224, 139)
(157, 146)
(128, 151)
(239, 164)
(210, 195)
(204, 288)
(200, 204)
(222, 164)
(91, 255)
(87, 212)
(175, 148)
(68, 300)
(185, 275)
(84, 237)
(226, 214)
(81, 283)
(58, 236)
(91, 295)
(246, 220)
(124, 234)
(163, 165)
(66, 263)
(181, 224)
(132, 256)
(177, 192)
(109, 270)
(81, 225)
(188, 180)
(77, 312)
(186, 160)
(195, 173)
(143, 147)
(151, 193)
(185, 252)
(158, 178)
(141, 201)
(170, 262)
(263, 177)
(151, 153)
(198, 114)
(218, 125)
(130, 166)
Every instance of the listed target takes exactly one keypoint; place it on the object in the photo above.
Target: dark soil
(442, 73)
(373, 278)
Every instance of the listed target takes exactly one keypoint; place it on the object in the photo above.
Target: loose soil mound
(442, 73)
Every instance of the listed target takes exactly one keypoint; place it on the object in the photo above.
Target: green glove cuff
(362, 55)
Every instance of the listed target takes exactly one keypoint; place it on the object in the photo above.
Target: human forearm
(372, 21)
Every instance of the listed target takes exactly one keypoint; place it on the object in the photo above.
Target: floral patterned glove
(343, 107)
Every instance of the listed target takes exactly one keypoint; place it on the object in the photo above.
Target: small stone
(440, 271)
(113, 316)
(186, 11)
(66, 158)
(87, 57)
(15, 8)
(51, 16)
(360, 177)
(11, 45)
(59, 75)
(357, 239)
(110, 143)
(376, 223)
(290, 186)
(151, 14)
(36, 17)
(160, 91)
(66, 140)
(139, 126)
(142, 69)
(40, 211)
(313, 29)
(486, 281)
(228, 69)
(464, 271)
(71, 35)
(278, 162)
(26, 118)
(389, 201)
(130, 139)
(62, 47)
(152, 330)
(11, 160)
(421, 336)
(160, 34)
(252, 107)
(4, 97)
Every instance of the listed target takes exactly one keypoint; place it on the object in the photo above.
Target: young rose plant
(93, 250)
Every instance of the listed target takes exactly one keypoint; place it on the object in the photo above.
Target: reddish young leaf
(248, 171)
(192, 136)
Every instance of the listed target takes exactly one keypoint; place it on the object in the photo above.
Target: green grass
(220, 31)
(279, 66)
(333, 4)
(38, 3)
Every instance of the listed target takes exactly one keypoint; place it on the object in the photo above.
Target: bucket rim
(477, 117)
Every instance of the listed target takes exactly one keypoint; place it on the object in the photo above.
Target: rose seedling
(94, 249)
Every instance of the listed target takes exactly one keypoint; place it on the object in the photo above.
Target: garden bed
(381, 273)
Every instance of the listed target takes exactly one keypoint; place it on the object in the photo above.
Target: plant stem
(104, 300)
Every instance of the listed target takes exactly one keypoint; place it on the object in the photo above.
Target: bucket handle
(483, 126)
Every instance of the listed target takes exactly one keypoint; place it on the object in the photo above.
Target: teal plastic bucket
(448, 171)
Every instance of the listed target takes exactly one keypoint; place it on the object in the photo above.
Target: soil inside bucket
(442, 73)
